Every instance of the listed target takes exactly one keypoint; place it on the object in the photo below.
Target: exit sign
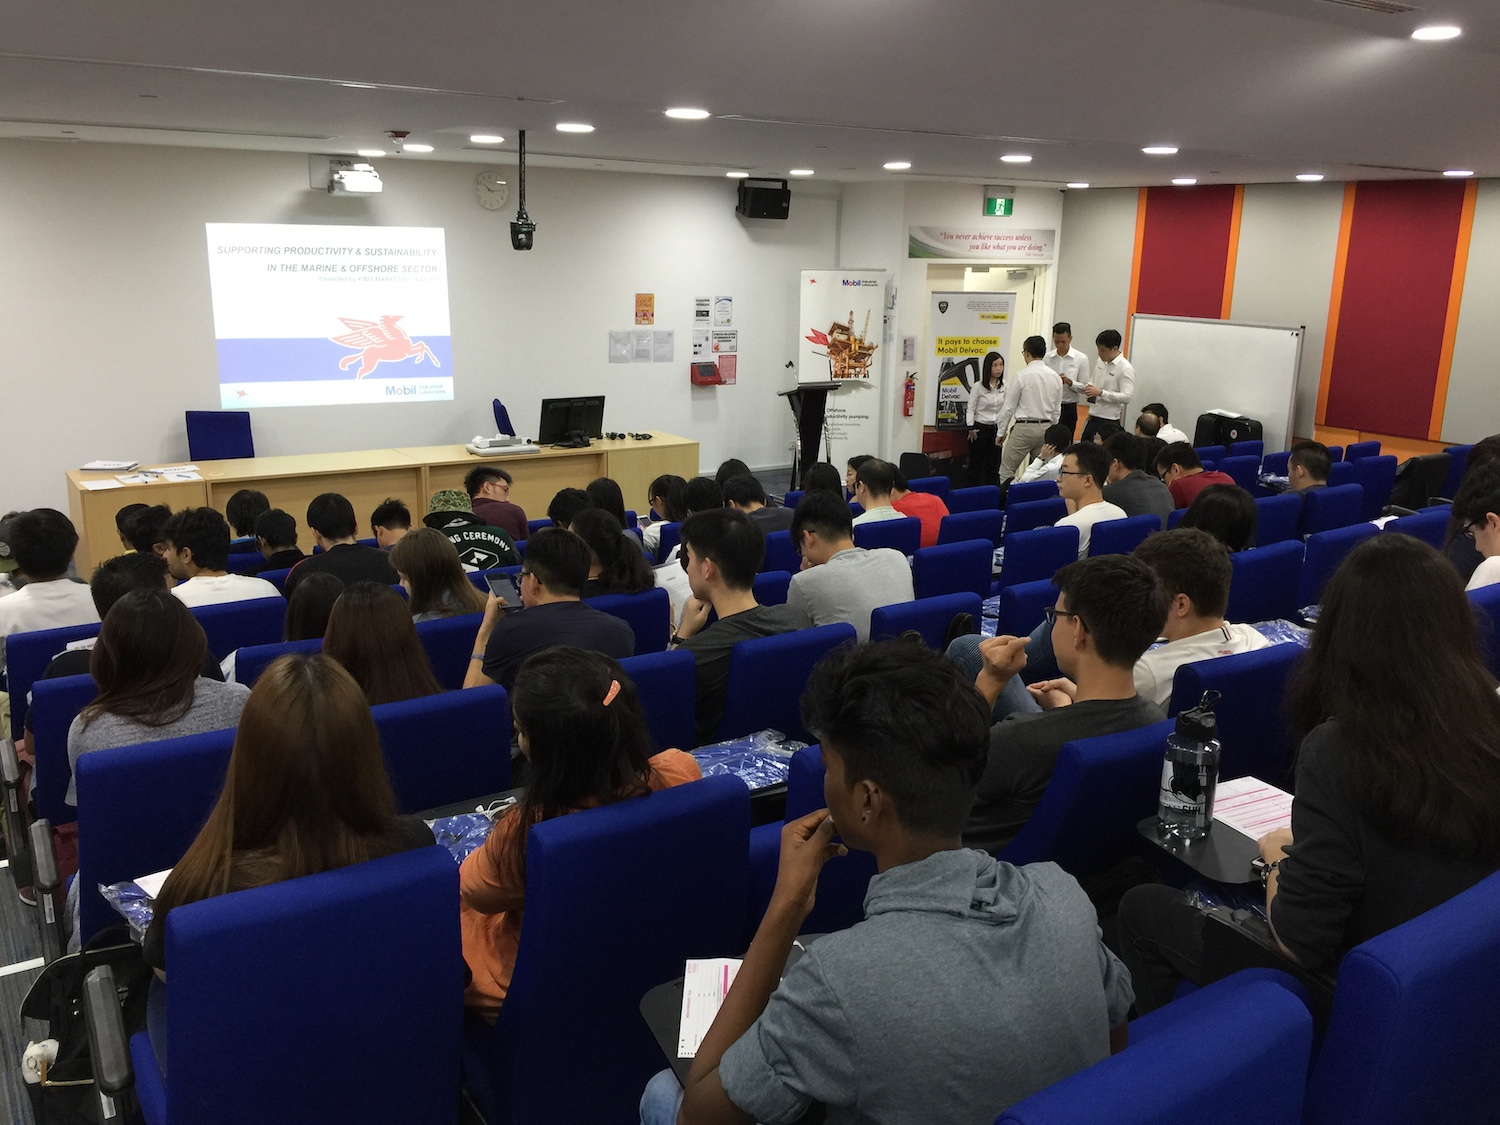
(999, 206)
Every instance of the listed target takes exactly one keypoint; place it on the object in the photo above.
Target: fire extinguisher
(909, 399)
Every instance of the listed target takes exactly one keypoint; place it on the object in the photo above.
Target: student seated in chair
(970, 984)
(749, 496)
(1308, 466)
(1183, 473)
(923, 506)
(1227, 512)
(839, 581)
(1131, 489)
(579, 724)
(1109, 610)
(371, 633)
(1048, 461)
(488, 487)
(197, 554)
(721, 553)
(873, 484)
(276, 539)
(242, 510)
(1476, 512)
(480, 547)
(389, 523)
(40, 544)
(331, 518)
(616, 564)
(1081, 483)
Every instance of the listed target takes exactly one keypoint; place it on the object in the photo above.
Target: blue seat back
(766, 678)
(844, 879)
(1099, 789)
(26, 658)
(1357, 450)
(449, 642)
(979, 498)
(303, 954)
(276, 578)
(671, 535)
(141, 807)
(1244, 470)
(648, 613)
(533, 526)
(503, 424)
(1214, 453)
(1178, 1065)
(960, 526)
(1411, 1036)
(447, 747)
(1033, 514)
(1275, 464)
(1255, 733)
(1277, 517)
(780, 554)
(793, 498)
(245, 562)
(1265, 583)
(1325, 551)
(214, 435)
(904, 535)
(1174, 517)
(1120, 537)
(1028, 492)
(232, 625)
(928, 616)
(1324, 509)
(1023, 607)
(667, 685)
(1033, 556)
(771, 586)
(1460, 455)
(55, 704)
(1377, 476)
(1486, 604)
(1429, 526)
(935, 486)
(252, 660)
(1336, 453)
(669, 873)
(953, 568)
(1254, 449)
(480, 579)
(1342, 472)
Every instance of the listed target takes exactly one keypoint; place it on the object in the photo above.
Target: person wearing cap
(37, 549)
(480, 546)
(331, 519)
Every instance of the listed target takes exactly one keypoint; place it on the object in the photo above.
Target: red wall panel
(1185, 250)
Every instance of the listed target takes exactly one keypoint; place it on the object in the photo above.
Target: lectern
(809, 401)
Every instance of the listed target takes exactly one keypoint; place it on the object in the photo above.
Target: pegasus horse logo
(379, 341)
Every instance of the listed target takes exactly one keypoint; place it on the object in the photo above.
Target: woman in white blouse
(985, 398)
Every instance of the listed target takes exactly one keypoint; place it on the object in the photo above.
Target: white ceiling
(1251, 90)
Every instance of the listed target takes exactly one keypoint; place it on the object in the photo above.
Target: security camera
(522, 232)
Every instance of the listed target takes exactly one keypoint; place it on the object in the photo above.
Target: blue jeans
(662, 1099)
(1015, 699)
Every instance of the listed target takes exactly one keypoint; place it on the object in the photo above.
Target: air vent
(1384, 7)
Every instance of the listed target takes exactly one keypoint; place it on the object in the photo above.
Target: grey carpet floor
(18, 942)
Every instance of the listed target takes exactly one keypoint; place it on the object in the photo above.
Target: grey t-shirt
(849, 586)
(214, 707)
(969, 986)
(1023, 752)
(712, 648)
(1140, 494)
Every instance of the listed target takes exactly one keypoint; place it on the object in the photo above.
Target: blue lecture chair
(649, 615)
(1460, 455)
(26, 658)
(792, 499)
(1342, 472)
(244, 562)
(1254, 449)
(276, 578)
(1255, 733)
(443, 748)
(1120, 537)
(669, 873)
(1277, 517)
(480, 580)
(904, 535)
(55, 704)
(1274, 464)
(1265, 581)
(1336, 454)
(1361, 449)
(1214, 453)
(1023, 607)
(449, 642)
(936, 486)
(1429, 526)
(667, 685)
(1244, 470)
(215, 435)
(953, 568)
(1325, 551)
(671, 536)
(252, 660)
(1324, 509)
(233, 625)
(928, 616)
(503, 423)
(979, 498)
(1033, 514)
(533, 526)
(780, 554)
(766, 677)
(1032, 556)
(1028, 492)
(1174, 517)
(1377, 476)
(1486, 604)
(771, 587)
(960, 526)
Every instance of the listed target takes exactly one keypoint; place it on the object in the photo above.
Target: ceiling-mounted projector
(352, 177)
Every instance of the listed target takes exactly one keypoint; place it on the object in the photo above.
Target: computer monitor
(561, 416)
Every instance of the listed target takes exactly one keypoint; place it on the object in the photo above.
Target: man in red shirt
(924, 506)
(1184, 475)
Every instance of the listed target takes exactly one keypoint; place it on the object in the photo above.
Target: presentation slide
(316, 316)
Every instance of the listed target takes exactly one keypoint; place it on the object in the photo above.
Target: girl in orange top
(579, 723)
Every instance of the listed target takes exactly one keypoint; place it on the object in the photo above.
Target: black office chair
(914, 466)
(1419, 482)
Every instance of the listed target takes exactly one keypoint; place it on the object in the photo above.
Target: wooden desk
(368, 477)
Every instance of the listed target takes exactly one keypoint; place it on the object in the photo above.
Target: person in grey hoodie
(970, 985)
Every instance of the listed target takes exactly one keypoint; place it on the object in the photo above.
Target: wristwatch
(1264, 869)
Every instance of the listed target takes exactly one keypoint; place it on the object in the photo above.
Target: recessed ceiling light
(485, 138)
(737, 175)
(1078, 185)
(1160, 150)
(1309, 177)
(418, 148)
(1185, 181)
(802, 171)
(683, 113)
(896, 165)
(1016, 158)
(358, 85)
(1458, 173)
(371, 151)
(1436, 32)
(574, 127)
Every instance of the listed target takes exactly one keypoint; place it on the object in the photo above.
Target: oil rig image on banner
(848, 354)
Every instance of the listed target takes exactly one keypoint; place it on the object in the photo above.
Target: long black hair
(991, 383)
(1395, 660)
(623, 568)
(669, 489)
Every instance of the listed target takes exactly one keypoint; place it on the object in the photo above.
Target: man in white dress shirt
(1072, 367)
(1168, 433)
(1033, 399)
(1113, 383)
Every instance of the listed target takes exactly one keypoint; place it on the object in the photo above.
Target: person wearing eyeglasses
(488, 487)
(550, 587)
(1476, 511)
(840, 582)
(1081, 481)
(1109, 610)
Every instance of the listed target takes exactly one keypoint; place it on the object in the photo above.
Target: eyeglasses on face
(515, 579)
(1052, 613)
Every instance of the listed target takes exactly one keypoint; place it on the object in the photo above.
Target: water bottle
(1190, 772)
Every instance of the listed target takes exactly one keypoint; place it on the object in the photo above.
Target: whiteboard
(1193, 366)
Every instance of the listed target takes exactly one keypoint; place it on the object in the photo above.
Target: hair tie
(614, 690)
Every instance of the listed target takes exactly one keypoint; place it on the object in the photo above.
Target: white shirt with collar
(878, 515)
(1171, 434)
(1033, 394)
(45, 605)
(1075, 366)
(985, 405)
(203, 589)
(1116, 383)
(1156, 668)
(1042, 470)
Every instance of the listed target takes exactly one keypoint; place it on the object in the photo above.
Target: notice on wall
(723, 312)
(620, 349)
(701, 343)
(726, 341)
(1003, 245)
(966, 327)
(728, 366)
(645, 308)
(702, 312)
(642, 343)
(663, 345)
